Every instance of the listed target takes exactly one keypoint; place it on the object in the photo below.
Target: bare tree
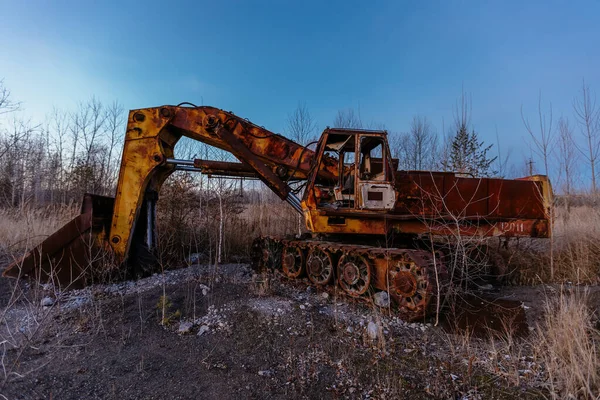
(567, 155)
(115, 119)
(396, 142)
(21, 160)
(348, 119)
(543, 140)
(416, 149)
(300, 125)
(501, 161)
(58, 128)
(588, 117)
(422, 144)
(6, 103)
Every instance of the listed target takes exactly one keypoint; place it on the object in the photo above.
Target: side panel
(443, 204)
(376, 195)
(444, 195)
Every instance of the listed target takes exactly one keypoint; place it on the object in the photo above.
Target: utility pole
(530, 164)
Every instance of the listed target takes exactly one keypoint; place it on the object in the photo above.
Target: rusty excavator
(371, 225)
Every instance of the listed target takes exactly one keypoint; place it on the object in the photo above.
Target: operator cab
(365, 171)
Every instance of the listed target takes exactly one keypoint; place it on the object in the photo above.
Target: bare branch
(300, 125)
(348, 119)
(7, 105)
(588, 118)
(543, 140)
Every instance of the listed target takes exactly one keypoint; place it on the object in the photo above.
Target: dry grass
(568, 345)
(576, 240)
(575, 251)
(577, 244)
(197, 230)
(23, 228)
(194, 232)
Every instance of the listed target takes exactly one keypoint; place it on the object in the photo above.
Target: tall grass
(575, 255)
(568, 345)
(24, 227)
(577, 244)
(188, 226)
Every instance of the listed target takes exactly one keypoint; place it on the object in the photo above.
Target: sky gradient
(392, 60)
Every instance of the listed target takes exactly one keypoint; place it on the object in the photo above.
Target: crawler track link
(415, 280)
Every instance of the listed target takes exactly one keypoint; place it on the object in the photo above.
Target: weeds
(163, 307)
(568, 343)
(262, 284)
(23, 227)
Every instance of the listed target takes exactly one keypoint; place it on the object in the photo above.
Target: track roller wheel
(292, 261)
(319, 266)
(412, 285)
(354, 274)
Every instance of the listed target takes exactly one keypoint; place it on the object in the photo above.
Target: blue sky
(259, 59)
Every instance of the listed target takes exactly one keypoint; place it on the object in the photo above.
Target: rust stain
(437, 203)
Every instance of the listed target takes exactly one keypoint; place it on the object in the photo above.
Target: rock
(266, 372)
(381, 299)
(372, 330)
(486, 287)
(302, 306)
(194, 258)
(205, 289)
(349, 329)
(203, 329)
(325, 295)
(47, 301)
(185, 327)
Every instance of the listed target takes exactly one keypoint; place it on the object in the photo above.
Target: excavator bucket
(72, 256)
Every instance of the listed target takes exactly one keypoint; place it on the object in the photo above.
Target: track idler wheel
(319, 266)
(413, 284)
(292, 261)
(354, 274)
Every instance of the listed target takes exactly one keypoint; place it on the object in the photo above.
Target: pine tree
(469, 155)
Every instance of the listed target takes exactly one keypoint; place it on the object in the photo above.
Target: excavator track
(413, 279)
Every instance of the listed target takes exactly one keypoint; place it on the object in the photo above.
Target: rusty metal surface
(272, 149)
(439, 203)
(443, 194)
(224, 168)
(319, 266)
(426, 202)
(292, 261)
(65, 257)
(414, 279)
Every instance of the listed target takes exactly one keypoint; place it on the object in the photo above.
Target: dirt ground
(226, 333)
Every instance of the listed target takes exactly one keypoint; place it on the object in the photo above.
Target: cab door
(375, 174)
